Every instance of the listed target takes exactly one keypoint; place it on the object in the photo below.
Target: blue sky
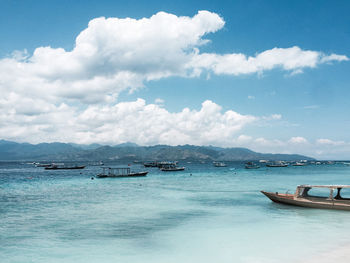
(302, 109)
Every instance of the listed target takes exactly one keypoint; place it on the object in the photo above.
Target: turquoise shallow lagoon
(215, 215)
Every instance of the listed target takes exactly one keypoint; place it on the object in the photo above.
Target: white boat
(219, 164)
(171, 168)
(298, 164)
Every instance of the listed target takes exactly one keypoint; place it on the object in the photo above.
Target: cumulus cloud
(329, 142)
(135, 121)
(71, 95)
(298, 140)
(112, 55)
(292, 59)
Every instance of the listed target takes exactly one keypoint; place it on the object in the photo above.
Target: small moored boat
(219, 164)
(57, 167)
(298, 164)
(150, 164)
(171, 168)
(43, 164)
(251, 165)
(277, 164)
(301, 197)
(119, 172)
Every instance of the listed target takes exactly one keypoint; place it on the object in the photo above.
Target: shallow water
(213, 215)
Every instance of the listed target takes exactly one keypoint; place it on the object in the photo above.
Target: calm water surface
(215, 215)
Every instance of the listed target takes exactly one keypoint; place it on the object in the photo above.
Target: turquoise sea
(203, 214)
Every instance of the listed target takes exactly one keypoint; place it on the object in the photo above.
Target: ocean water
(203, 214)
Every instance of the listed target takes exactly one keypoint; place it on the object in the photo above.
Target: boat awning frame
(324, 186)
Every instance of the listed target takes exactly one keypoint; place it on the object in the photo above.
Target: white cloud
(71, 96)
(110, 55)
(292, 59)
(251, 97)
(113, 55)
(298, 140)
(330, 142)
(272, 117)
(126, 121)
(159, 101)
(311, 107)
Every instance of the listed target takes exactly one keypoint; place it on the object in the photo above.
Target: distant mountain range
(130, 151)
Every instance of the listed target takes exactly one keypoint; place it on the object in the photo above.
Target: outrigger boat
(277, 164)
(57, 167)
(119, 172)
(219, 164)
(251, 165)
(301, 197)
(171, 168)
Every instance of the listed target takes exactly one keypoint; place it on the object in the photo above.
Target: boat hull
(308, 202)
(122, 175)
(172, 169)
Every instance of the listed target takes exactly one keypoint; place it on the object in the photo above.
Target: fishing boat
(57, 167)
(251, 165)
(298, 164)
(150, 164)
(43, 164)
(171, 168)
(301, 197)
(119, 172)
(219, 164)
(277, 164)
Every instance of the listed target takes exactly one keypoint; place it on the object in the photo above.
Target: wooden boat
(298, 164)
(150, 164)
(119, 172)
(43, 164)
(251, 165)
(171, 168)
(56, 167)
(219, 164)
(301, 197)
(277, 164)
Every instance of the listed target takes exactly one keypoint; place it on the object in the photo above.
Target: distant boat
(166, 164)
(43, 164)
(219, 164)
(263, 161)
(119, 172)
(56, 167)
(277, 164)
(171, 168)
(298, 164)
(150, 164)
(302, 198)
(251, 165)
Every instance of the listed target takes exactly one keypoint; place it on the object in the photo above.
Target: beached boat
(219, 164)
(251, 165)
(301, 197)
(119, 172)
(171, 168)
(57, 167)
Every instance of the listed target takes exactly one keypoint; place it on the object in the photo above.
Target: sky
(272, 76)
